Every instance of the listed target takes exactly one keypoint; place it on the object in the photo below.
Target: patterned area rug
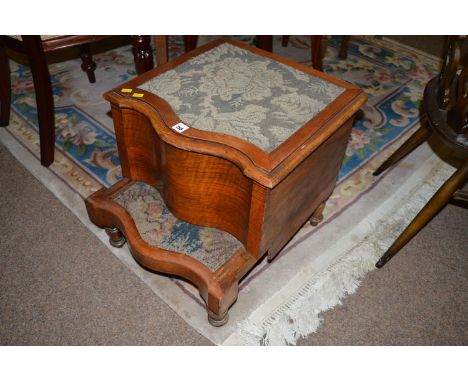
(282, 300)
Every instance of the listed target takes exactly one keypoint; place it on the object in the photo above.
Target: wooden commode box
(226, 152)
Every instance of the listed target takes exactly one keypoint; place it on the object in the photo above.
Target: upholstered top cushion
(231, 90)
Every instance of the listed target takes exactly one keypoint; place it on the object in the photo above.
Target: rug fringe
(299, 316)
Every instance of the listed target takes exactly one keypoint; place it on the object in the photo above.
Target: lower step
(161, 229)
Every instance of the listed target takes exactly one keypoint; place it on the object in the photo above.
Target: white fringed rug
(282, 301)
(341, 254)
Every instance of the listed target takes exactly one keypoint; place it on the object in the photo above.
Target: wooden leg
(116, 239)
(264, 42)
(5, 88)
(142, 53)
(317, 216)
(344, 47)
(160, 47)
(218, 300)
(44, 97)
(88, 65)
(316, 47)
(437, 202)
(460, 198)
(413, 142)
(284, 41)
(218, 319)
(190, 43)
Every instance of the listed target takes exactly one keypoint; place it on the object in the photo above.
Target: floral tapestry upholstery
(233, 91)
(160, 229)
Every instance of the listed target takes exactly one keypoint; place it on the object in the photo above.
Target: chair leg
(142, 53)
(190, 43)
(44, 97)
(460, 198)
(160, 47)
(412, 143)
(5, 88)
(316, 47)
(88, 65)
(264, 42)
(285, 40)
(437, 202)
(344, 47)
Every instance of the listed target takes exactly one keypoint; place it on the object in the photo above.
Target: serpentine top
(233, 91)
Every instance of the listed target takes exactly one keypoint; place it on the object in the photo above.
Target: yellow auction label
(137, 95)
(126, 90)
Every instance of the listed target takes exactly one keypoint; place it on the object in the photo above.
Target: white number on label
(180, 127)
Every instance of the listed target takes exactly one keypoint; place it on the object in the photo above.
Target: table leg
(265, 42)
(88, 65)
(142, 53)
(160, 47)
(190, 43)
(316, 43)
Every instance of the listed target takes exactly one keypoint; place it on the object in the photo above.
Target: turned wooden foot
(413, 142)
(116, 239)
(317, 216)
(88, 65)
(218, 319)
(142, 53)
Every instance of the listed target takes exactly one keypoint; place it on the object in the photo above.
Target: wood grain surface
(216, 180)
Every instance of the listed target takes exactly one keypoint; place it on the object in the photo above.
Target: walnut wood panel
(293, 201)
(200, 189)
(257, 219)
(139, 146)
(206, 190)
